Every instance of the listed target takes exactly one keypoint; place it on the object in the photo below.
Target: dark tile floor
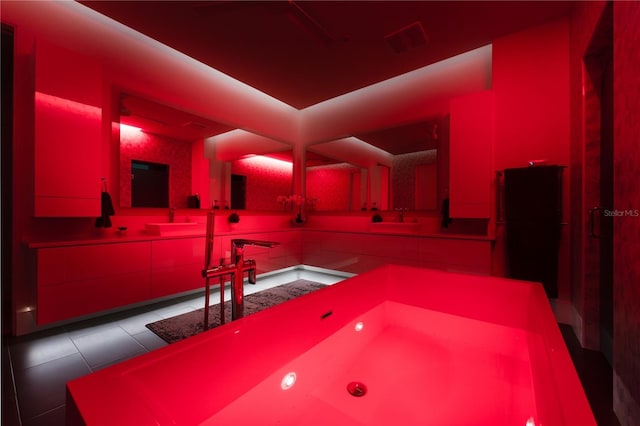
(596, 377)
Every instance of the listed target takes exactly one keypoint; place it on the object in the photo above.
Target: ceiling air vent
(195, 125)
(407, 38)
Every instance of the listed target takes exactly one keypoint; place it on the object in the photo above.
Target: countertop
(110, 236)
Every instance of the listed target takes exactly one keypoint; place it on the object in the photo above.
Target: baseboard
(625, 407)
(561, 310)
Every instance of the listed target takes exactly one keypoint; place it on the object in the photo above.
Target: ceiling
(164, 120)
(420, 136)
(305, 52)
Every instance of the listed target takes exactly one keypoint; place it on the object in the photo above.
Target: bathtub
(396, 345)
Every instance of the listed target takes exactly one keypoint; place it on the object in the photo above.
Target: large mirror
(333, 185)
(414, 164)
(173, 159)
(158, 147)
(248, 171)
(204, 164)
(161, 155)
(392, 168)
(259, 182)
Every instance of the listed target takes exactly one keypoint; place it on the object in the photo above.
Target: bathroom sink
(395, 227)
(172, 228)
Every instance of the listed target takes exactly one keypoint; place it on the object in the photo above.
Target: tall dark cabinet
(533, 214)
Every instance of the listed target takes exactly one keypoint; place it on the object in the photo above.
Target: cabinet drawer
(80, 280)
(80, 263)
(176, 265)
(76, 298)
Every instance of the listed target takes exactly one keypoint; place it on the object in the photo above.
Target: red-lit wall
(532, 110)
(331, 186)
(403, 178)
(626, 273)
(585, 126)
(267, 179)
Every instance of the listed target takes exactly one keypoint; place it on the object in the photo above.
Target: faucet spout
(242, 266)
(241, 242)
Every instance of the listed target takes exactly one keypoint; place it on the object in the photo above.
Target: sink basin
(172, 228)
(395, 227)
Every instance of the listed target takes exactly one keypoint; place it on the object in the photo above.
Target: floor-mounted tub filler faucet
(234, 270)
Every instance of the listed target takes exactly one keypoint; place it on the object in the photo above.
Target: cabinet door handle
(592, 219)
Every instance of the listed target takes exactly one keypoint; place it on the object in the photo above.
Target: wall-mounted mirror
(333, 185)
(259, 181)
(249, 171)
(385, 169)
(157, 134)
(353, 168)
(414, 166)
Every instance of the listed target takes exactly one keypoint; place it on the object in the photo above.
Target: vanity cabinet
(360, 252)
(176, 265)
(83, 279)
(470, 157)
(68, 117)
(456, 255)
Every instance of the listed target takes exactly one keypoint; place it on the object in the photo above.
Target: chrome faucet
(242, 265)
(235, 270)
(401, 218)
(172, 214)
(221, 272)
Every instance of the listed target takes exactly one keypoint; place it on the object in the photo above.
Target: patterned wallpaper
(136, 145)
(266, 180)
(403, 176)
(583, 24)
(626, 274)
(331, 186)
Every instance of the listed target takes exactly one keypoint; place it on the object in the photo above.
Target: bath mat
(180, 327)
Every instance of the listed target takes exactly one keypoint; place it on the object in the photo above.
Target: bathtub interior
(442, 374)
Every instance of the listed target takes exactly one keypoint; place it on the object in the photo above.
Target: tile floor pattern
(40, 364)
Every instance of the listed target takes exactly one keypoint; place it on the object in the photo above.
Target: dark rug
(180, 327)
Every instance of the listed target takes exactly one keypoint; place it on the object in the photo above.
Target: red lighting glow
(129, 130)
(131, 136)
(267, 162)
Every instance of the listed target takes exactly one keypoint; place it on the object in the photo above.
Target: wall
(266, 180)
(531, 86)
(532, 110)
(403, 178)
(23, 169)
(583, 24)
(331, 186)
(626, 348)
